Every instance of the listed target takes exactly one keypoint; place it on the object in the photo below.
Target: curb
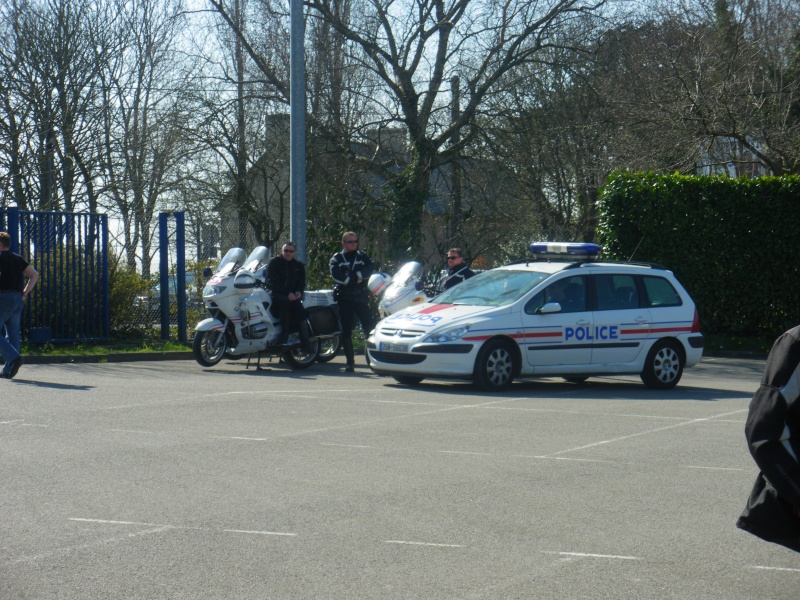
(103, 358)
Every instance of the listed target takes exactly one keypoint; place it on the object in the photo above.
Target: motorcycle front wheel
(209, 347)
(329, 348)
(297, 358)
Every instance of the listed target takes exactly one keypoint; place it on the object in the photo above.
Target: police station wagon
(563, 313)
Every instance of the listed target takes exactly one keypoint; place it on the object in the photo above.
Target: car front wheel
(410, 380)
(494, 367)
(664, 366)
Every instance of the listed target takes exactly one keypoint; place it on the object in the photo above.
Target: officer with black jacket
(286, 282)
(773, 436)
(350, 270)
(457, 269)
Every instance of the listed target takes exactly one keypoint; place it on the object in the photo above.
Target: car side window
(660, 292)
(616, 292)
(569, 292)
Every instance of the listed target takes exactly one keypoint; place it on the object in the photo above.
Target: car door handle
(583, 322)
(642, 320)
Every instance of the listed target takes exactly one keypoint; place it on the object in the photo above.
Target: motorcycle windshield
(406, 277)
(233, 259)
(257, 258)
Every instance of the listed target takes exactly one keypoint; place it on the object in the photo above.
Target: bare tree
(145, 112)
(709, 71)
(51, 68)
(415, 53)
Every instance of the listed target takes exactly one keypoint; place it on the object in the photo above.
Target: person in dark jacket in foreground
(773, 435)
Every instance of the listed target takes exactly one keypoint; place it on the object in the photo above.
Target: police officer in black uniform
(350, 270)
(13, 270)
(773, 436)
(286, 282)
(457, 269)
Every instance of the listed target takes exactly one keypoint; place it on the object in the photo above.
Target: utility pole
(455, 115)
(297, 126)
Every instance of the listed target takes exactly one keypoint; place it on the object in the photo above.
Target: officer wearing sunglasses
(350, 270)
(457, 269)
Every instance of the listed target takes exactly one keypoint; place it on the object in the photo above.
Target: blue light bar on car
(566, 250)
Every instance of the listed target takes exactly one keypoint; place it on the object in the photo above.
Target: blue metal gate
(70, 251)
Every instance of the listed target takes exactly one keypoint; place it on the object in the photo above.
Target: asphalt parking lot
(167, 480)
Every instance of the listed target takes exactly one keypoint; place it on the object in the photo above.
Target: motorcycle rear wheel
(209, 347)
(329, 348)
(297, 358)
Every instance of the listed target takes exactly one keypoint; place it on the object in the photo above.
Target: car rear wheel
(664, 365)
(494, 367)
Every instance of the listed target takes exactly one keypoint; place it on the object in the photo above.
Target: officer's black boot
(305, 336)
(347, 344)
(283, 336)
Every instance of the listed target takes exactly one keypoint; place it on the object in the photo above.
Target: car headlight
(448, 335)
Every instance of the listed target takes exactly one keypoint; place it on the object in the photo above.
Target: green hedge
(733, 243)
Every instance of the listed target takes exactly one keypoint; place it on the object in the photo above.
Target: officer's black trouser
(290, 312)
(351, 309)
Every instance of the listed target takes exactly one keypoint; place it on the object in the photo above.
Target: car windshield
(498, 287)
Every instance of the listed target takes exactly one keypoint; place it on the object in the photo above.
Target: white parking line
(111, 522)
(590, 555)
(648, 431)
(258, 532)
(712, 468)
(346, 445)
(407, 543)
(178, 527)
(775, 569)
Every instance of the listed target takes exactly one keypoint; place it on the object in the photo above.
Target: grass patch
(99, 348)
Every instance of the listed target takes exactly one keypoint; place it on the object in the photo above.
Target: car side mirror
(550, 307)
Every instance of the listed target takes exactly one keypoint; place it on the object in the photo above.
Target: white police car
(562, 313)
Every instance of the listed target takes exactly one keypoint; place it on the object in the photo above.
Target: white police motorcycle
(401, 291)
(241, 323)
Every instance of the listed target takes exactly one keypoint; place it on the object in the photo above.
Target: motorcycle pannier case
(323, 320)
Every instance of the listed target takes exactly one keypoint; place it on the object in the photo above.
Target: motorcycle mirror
(207, 272)
(418, 285)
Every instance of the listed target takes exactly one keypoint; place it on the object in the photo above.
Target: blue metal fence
(70, 252)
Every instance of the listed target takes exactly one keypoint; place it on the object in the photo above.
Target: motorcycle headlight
(213, 290)
(448, 335)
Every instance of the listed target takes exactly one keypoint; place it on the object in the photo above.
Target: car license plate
(391, 347)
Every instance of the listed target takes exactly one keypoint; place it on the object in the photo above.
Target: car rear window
(660, 292)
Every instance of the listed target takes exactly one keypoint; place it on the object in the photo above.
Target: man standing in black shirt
(13, 269)
(286, 282)
(350, 270)
(457, 269)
